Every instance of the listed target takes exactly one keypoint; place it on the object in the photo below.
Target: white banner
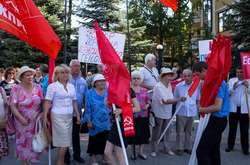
(204, 49)
(88, 48)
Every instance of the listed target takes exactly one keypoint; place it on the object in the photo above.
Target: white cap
(166, 71)
(24, 69)
(97, 77)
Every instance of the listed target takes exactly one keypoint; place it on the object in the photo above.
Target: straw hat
(98, 77)
(166, 71)
(24, 69)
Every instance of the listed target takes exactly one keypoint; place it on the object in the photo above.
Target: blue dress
(98, 114)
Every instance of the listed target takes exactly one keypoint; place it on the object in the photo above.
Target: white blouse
(161, 92)
(62, 100)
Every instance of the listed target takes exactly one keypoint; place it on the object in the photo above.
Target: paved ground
(233, 158)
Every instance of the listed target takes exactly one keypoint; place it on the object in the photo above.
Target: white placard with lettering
(88, 48)
(204, 49)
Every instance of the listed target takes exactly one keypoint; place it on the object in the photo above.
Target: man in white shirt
(239, 109)
(149, 73)
(186, 114)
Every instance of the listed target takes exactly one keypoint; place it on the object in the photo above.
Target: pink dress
(29, 105)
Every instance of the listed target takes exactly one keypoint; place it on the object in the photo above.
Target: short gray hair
(186, 71)
(136, 73)
(149, 57)
(74, 61)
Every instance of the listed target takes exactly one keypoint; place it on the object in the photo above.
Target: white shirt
(161, 92)
(62, 100)
(149, 77)
(238, 96)
(189, 107)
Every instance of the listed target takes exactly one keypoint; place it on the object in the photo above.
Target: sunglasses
(136, 78)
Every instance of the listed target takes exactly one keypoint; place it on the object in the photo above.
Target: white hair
(149, 57)
(187, 71)
(136, 73)
(73, 62)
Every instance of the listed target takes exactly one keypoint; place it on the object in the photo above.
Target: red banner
(245, 63)
(23, 19)
(173, 4)
(118, 79)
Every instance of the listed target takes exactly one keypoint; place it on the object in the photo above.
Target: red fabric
(175, 82)
(219, 64)
(173, 4)
(194, 86)
(245, 62)
(51, 69)
(24, 20)
(118, 78)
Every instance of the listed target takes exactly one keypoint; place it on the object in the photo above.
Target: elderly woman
(97, 117)
(141, 118)
(162, 102)
(25, 102)
(61, 98)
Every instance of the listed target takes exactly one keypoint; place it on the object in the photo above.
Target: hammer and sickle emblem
(128, 121)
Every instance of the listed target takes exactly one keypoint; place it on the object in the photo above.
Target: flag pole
(169, 123)
(121, 137)
(65, 32)
(128, 36)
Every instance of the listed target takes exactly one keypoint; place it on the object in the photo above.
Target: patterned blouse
(143, 99)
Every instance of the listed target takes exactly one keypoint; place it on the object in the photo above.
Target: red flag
(194, 86)
(118, 78)
(245, 63)
(219, 64)
(170, 3)
(24, 20)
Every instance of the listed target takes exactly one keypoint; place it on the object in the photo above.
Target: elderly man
(150, 75)
(239, 96)
(186, 114)
(81, 88)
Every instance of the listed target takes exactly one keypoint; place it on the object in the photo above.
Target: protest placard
(87, 45)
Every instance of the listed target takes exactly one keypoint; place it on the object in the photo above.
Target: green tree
(159, 26)
(104, 11)
(17, 53)
(240, 23)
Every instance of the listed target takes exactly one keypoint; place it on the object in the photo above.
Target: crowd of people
(72, 101)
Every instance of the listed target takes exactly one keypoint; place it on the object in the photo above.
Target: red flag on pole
(24, 20)
(219, 64)
(118, 78)
(194, 86)
(173, 4)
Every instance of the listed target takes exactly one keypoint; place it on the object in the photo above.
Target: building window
(225, 20)
(207, 16)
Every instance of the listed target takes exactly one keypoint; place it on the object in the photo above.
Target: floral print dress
(29, 105)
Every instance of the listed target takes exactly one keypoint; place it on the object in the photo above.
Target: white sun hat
(166, 71)
(98, 77)
(24, 69)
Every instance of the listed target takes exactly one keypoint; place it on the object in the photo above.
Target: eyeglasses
(136, 78)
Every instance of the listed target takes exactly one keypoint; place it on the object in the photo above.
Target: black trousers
(208, 150)
(75, 140)
(234, 119)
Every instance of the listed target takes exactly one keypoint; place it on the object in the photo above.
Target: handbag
(39, 141)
